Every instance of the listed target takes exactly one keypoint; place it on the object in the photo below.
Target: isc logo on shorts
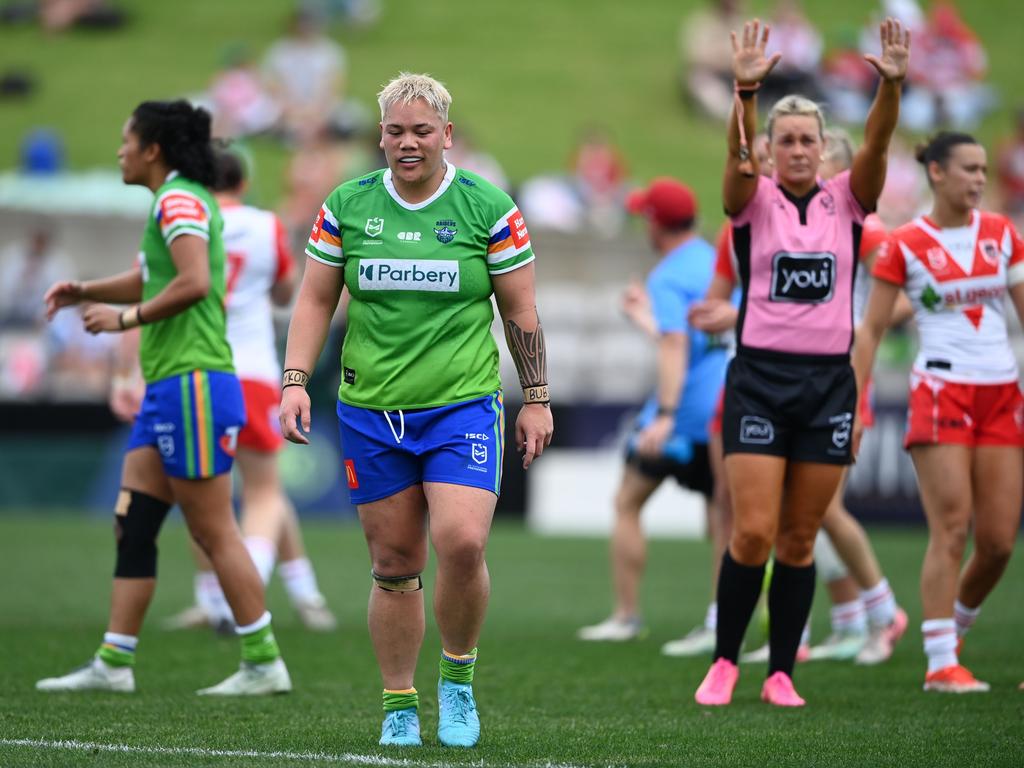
(805, 278)
(408, 275)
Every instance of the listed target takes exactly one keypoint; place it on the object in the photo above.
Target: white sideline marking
(345, 758)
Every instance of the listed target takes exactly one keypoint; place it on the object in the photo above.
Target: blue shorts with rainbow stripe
(193, 420)
(388, 451)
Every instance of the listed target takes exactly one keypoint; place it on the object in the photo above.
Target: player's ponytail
(183, 133)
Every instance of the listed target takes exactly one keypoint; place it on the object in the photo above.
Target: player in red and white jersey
(964, 424)
(259, 274)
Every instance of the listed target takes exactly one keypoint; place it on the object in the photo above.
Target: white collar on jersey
(389, 185)
(172, 176)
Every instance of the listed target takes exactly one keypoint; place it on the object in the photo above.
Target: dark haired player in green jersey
(183, 441)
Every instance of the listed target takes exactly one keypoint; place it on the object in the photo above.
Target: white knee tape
(826, 559)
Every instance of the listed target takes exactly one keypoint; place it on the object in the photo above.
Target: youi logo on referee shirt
(805, 278)
(409, 275)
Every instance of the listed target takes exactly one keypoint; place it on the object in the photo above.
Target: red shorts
(715, 425)
(963, 414)
(262, 430)
(866, 406)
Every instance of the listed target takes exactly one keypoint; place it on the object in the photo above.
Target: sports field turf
(545, 698)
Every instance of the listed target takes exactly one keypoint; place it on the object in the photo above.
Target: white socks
(711, 617)
(210, 597)
(299, 580)
(939, 643)
(263, 553)
(964, 617)
(880, 604)
(849, 618)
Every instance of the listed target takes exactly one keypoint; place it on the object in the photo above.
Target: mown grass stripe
(344, 758)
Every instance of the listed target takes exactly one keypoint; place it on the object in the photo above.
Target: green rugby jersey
(419, 323)
(196, 338)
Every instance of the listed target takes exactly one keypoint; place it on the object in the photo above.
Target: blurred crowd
(295, 92)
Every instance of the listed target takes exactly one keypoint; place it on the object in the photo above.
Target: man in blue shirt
(670, 437)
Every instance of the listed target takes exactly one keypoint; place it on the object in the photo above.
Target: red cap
(665, 201)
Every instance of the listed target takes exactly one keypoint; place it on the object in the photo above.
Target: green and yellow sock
(258, 643)
(458, 669)
(407, 699)
(117, 650)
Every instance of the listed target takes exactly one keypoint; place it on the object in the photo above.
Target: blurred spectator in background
(42, 152)
(354, 13)
(79, 363)
(905, 194)
(62, 360)
(945, 84)
(801, 46)
(317, 166)
(706, 62)
(27, 269)
(847, 83)
(465, 154)
(599, 175)
(1010, 170)
(305, 71)
(240, 103)
(58, 15)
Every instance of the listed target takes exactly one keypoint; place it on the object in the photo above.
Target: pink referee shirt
(796, 260)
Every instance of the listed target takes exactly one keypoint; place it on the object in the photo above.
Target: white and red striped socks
(964, 617)
(880, 604)
(849, 618)
(939, 643)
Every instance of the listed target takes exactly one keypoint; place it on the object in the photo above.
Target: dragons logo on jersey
(990, 251)
(374, 226)
(445, 230)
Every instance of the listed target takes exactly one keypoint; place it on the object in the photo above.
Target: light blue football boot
(401, 728)
(458, 724)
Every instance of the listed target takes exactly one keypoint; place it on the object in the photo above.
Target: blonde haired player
(422, 246)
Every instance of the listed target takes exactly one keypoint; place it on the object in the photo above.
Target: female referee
(183, 441)
(790, 391)
(964, 417)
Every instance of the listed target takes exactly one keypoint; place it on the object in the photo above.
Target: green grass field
(545, 698)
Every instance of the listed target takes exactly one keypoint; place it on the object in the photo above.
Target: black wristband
(666, 411)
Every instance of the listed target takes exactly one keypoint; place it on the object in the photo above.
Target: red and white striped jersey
(957, 279)
(257, 257)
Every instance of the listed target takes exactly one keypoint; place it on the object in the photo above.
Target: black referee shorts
(802, 411)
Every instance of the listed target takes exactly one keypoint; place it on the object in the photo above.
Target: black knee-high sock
(789, 605)
(739, 586)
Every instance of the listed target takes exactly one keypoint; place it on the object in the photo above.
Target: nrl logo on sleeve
(374, 226)
(445, 230)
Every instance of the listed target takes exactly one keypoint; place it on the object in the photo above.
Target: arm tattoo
(528, 353)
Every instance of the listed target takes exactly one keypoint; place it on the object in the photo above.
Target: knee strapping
(411, 583)
(137, 520)
(830, 565)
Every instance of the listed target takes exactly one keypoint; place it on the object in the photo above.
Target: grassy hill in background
(525, 78)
